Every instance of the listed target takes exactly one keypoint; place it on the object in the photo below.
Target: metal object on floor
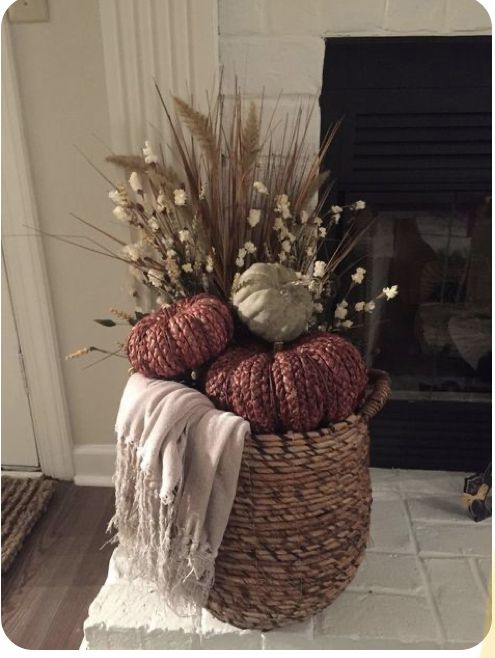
(476, 490)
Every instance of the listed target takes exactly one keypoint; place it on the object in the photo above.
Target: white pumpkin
(270, 299)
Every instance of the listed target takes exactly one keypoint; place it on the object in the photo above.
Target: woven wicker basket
(300, 520)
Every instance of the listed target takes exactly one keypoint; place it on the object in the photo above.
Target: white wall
(64, 103)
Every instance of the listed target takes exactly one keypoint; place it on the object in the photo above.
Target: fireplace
(415, 143)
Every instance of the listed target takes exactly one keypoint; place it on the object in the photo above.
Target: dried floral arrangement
(232, 199)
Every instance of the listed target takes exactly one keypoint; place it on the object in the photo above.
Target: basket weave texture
(181, 337)
(300, 521)
(319, 378)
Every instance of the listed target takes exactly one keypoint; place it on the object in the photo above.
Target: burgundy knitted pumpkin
(173, 340)
(319, 378)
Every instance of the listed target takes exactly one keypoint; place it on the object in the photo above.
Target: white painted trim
(174, 42)
(94, 465)
(25, 265)
(25, 475)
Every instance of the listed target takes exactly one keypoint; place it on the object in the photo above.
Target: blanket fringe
(158, 550)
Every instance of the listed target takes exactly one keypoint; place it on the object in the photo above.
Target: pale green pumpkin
(271, 300)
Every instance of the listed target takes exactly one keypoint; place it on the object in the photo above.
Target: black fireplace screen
(415, 143)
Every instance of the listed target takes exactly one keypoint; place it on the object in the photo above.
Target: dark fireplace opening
(415, 144)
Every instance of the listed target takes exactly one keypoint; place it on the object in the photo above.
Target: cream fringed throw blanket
(178, 461)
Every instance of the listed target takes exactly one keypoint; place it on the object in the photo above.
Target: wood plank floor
(62, 565)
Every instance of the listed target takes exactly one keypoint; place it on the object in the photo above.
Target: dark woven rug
(23, 502)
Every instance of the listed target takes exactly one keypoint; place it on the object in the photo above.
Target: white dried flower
(317, 221)
(260, 187)
(391, 292)
(304, 217)
(149, 156)
(184, 235)
(250, 247)
(187, 267)
(336, 218)
(209, 263)
(119, 196)
(322, 232)
(133, 251)
(242, 253)
(172, 268)
(359, 205)
(286, 246)
(336, 210)
(369, 306)
(239, 262)
(319, 268)
(202, 192)
(161, 202)
(254, 217)
(347, 324)
(283, 205)
(359, 306)
(291, 237)
(135, 182)
(122, 214)
(278, 224)
(282, 257)
(310, 251)
(358, 276)
(315, 288)
(153, 224)
(341, 310)
(318, 308)
(155, 278)
(171, 253)
(180, 197)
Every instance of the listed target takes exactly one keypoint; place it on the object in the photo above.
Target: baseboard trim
(26, 475)
(94, 465)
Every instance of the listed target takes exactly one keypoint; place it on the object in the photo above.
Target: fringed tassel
(157, 549)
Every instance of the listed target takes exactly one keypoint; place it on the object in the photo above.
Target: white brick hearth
(424, 583)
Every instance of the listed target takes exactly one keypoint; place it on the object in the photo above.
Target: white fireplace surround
(279, 45)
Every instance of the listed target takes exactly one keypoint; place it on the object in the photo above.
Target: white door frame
(28, 280)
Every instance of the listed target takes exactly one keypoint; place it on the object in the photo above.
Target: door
(18, 442)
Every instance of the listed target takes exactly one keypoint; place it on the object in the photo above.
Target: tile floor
(424, 583)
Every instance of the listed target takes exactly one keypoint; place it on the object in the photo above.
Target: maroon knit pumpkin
(173, 340)
(317, 379)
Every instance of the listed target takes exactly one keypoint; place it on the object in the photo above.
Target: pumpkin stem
(278, 346)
